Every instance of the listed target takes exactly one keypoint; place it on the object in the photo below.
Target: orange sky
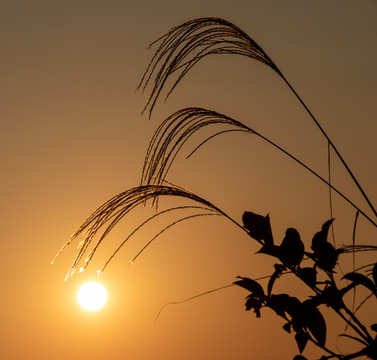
(73, 136)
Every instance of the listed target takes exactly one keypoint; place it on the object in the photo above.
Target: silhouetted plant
(179, 50)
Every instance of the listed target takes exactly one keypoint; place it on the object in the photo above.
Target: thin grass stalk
(333, 147)
(354, 311)
(354, 257)
(203, 294)
(330, 190)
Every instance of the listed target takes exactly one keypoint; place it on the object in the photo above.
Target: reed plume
(178, 128)
(108, 215)
(184, 45)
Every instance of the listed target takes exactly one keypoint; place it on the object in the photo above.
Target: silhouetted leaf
(287, 327)
(253, 303)
(282, 304)
(278, 270)
(300, 357)
(291, 248)
(374, 327)
(326, 226)
(301, 340)
(308, 275)
(273, 250)
(315, 322)
(325, 255)
(331, 297)
(252, 286)
(374, 273)
(259, 227)
(360, 279)
(321, 236)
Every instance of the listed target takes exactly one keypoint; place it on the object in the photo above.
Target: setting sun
(92, 296)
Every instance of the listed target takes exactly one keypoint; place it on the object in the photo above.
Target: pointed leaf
(273, 250)
(259, 227)
(301, 340)
(374, 273)
(315, 322)
(360, 279)
(250, 285)
(321, 236)
(326, 226)
(287, 327)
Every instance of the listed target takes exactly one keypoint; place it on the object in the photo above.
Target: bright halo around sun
(92, 296)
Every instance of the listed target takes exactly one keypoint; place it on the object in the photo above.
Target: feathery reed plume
(172, 134)
(184, 45)
(167, 228)
(346, 249)
(154, 217)
(175, 130)
(112, 211)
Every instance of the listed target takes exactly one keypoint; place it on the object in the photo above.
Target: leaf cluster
(304, 318)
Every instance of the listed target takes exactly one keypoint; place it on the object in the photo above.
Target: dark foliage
(304, 317)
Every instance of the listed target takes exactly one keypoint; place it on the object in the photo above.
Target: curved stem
(369, 339)
(317, 175)
(332, 145)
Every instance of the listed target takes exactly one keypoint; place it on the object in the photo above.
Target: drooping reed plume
(178, 128)
(184, 45)
(108, 215)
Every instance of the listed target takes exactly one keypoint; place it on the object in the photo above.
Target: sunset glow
(92, 296)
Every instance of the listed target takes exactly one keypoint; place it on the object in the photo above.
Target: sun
(92, 296)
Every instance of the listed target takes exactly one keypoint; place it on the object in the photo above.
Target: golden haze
(72, 136)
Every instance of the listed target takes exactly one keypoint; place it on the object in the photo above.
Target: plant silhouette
(178, 51)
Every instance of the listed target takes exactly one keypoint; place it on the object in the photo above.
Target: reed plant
(177, 52)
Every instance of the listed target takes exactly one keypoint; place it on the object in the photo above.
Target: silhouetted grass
(108, 215)
(178, 128)
(179, 50)
(184, 45)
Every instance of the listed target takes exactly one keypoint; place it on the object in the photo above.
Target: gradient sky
(72, 135)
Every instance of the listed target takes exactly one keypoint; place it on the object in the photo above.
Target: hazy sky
(72, 136)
